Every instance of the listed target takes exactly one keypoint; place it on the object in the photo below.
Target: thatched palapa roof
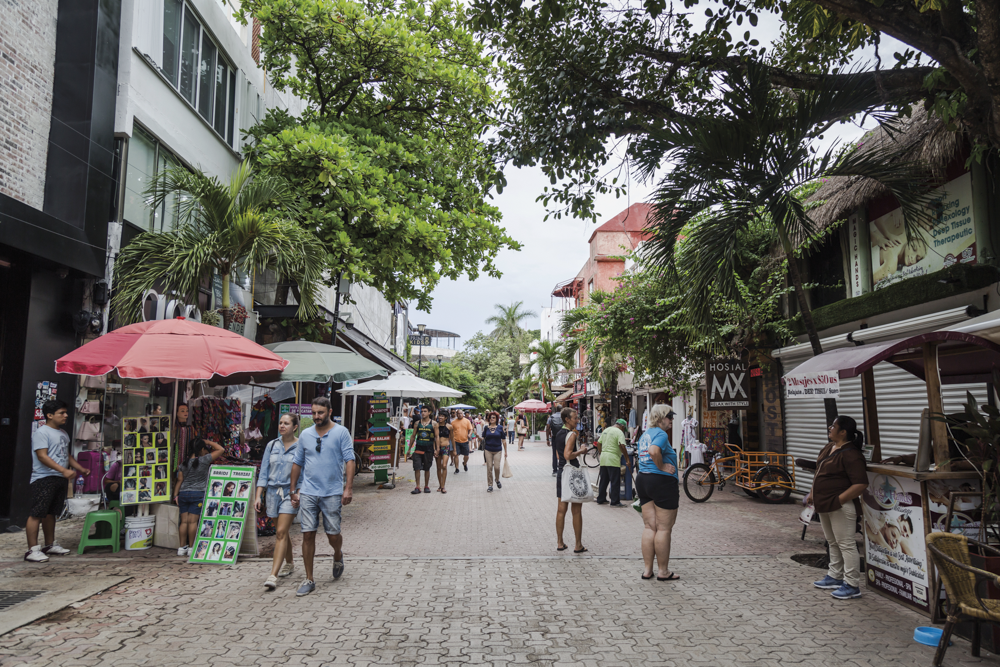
(922, 139)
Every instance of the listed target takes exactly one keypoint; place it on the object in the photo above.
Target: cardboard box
(166, 533)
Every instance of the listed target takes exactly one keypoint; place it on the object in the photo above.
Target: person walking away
(52, 467)
(404, 426)
(192, 480)
(479, 425)
(611, 445)
(552, 426)
(422, 444)
(839, 481)
(443, 447)
(511, 426)
(659, 492)
(522, 429)
(322, 482)
(494, 442)
(461, 428)
(275, 485)
(565, 444)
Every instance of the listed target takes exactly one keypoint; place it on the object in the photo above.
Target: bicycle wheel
(699, 482)
(592, 458)
(766, 477)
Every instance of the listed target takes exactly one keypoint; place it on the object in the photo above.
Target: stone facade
(27, 70)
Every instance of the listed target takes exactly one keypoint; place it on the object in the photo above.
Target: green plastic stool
(103, 530)
(100, 517)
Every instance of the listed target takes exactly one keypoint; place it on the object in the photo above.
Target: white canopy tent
(398, 385)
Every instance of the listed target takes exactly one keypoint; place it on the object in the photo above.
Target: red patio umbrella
(178, 349)
(532, 405)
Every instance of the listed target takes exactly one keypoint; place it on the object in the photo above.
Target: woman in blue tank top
(659, 493)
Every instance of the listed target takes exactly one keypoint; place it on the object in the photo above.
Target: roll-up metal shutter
(900, 398)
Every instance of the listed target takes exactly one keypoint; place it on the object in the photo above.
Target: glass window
(140, 171)
(221, 81)
(231, 111)
(165, 218)
(189, 56)
(172, 10)
(206, 89)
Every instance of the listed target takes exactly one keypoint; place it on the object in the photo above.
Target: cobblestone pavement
(471, 577)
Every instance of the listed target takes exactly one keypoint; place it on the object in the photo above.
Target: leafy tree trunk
(830, 404)
(226, 314)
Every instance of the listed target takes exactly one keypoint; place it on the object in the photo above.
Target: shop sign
(727, 381)
(226, 512)
(146, 454)
(860, 255)
(895, 555)
(950, 240)
(379, 421)
(420, 339)
(822, 384)
(156, 306)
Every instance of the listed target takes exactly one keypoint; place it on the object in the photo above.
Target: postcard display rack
(146, 461)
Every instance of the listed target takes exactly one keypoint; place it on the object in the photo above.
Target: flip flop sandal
(580, 551)
(673, 577)
(562, 548)
(647, 578)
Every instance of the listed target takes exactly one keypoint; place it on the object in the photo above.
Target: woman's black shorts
(661, 489)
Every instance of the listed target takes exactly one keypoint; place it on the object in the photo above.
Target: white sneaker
(286, 569)
(55, 550)
(35, 555)
(271, 583)
(184, 551)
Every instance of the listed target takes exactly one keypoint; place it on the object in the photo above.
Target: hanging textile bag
(576, 486)
(506, 469)
(90, 429)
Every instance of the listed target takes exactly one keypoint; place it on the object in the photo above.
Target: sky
(555, 250)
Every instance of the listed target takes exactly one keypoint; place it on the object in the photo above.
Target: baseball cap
(670, 415)
(622, 422)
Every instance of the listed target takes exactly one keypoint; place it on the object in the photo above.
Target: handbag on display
(90, 429)
(575, 485)
(91, 407)
(95, 381)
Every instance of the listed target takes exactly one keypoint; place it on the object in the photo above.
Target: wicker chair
(962, 582)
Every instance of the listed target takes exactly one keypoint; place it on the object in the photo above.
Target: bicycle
(760, 475)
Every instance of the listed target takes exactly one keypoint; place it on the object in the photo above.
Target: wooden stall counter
(909, 473)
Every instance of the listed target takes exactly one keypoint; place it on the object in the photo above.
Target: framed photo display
(145, 460)
(226, 513)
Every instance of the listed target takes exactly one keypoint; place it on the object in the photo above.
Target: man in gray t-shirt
(52, 466)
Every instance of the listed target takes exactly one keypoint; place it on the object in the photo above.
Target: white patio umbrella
(399, 384)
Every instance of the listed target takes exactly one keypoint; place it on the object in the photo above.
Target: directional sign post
(380, 428)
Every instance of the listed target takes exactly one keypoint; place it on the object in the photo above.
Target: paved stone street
(471, 577)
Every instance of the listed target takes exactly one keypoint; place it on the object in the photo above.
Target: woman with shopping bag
(572, 482)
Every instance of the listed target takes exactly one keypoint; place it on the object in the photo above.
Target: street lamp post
(420, 354)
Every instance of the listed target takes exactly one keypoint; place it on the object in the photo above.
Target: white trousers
(839, 528)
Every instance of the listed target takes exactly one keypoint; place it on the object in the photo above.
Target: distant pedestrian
(494, 442)
(511, 426)
(565, 444)
(612, 448)
(443, 448)
(479, 423)
(659, 493)
(552, 426)
(52, 466)
(841, 477)
(322, 483)
(422, 444)
(192, 480)
(522, 429)
(274, 484)
(461, 430)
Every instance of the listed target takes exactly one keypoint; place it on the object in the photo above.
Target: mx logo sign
(727, 381)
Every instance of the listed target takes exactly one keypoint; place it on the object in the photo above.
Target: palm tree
(745, 166)
(549, 359)
(507, 321)
(244, 225)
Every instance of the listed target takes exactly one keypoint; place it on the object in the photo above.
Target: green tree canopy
(388, 155)
(507, 322)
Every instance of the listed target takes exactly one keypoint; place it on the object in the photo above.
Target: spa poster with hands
(145, 460)
(948, 238)
(226, 515)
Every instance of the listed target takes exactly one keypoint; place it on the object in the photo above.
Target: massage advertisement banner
(822, 384)
(145, 460)
(949, 237)
(225, 514)
(895, 551)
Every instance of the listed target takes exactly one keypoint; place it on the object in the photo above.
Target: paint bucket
(139, 532)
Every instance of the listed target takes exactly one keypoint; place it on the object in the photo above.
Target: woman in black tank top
(563, 440)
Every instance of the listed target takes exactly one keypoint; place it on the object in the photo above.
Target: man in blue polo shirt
(322, 481)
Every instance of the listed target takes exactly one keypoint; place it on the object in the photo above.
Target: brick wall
(27, 64)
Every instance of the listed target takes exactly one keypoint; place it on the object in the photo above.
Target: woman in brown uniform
(840, 479)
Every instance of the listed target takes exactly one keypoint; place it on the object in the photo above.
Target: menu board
(226, 510)
(145, 460)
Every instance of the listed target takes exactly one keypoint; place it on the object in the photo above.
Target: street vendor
(841, 477)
